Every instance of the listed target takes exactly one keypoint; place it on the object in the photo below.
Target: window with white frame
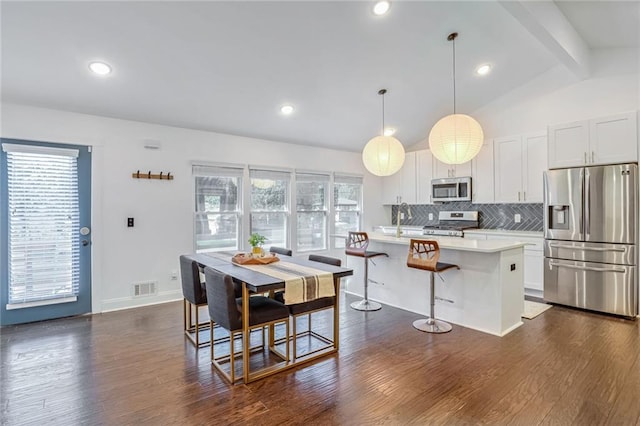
(270, 195)
(347, 202)
(312, 200)
(218, 207)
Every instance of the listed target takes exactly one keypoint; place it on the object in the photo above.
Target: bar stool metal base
(430, 325)
(366, 305)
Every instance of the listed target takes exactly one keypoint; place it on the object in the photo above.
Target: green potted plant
(256, 240)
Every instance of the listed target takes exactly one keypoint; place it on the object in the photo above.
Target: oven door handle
(586, 268)
(623, 249)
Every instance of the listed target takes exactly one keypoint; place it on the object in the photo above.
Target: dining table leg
(246, 336)
(336, 315)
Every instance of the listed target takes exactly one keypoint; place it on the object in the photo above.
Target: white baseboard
(129, 302)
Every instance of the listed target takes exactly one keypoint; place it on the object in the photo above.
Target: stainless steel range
(453, 224)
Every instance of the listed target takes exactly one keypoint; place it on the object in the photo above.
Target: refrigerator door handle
(587, 268)
(587, 248)
(587, 204)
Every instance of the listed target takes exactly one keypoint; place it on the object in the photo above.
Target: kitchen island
(487, 292)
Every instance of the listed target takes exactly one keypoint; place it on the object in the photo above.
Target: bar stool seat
(357, 244)
(424, 254)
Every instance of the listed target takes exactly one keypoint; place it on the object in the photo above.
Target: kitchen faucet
(398, 232)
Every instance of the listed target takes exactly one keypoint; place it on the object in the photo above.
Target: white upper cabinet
(424, 174)
(442, 170)
(400, 187)
(534, 165)
(519, 165)
(614, 139)
(482, 175)
(607, 140)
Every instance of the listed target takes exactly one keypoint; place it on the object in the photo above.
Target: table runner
(301, 283)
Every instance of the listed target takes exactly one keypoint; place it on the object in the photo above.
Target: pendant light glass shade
(456, 139)
(383, 155)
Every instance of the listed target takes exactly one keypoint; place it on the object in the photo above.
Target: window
(44, 218)
(311, 206)
(218, 207)
(270, 205)
(347, 201)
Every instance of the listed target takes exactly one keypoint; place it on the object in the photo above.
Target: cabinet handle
(593, 157)
(518, 195)
(524, 195)
(585, 157)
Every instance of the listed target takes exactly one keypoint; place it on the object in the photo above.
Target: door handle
(587, 207)
(587, 248)
(586, 268)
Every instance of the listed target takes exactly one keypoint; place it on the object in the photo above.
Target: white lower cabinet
(533, 257)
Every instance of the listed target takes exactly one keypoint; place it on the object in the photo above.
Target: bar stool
(424, 254)
(357, 244)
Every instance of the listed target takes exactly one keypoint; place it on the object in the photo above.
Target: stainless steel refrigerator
(591, 228)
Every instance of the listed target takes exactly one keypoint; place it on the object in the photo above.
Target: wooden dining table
(256, 282)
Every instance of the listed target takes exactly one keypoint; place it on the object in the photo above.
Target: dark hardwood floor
(135, 367)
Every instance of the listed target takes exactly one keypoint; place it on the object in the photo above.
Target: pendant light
(456, 138)
(383, 155)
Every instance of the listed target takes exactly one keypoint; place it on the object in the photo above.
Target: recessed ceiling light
(381, 7)
(286, 109)
(483, 69)
(389, 131)
(100, 68)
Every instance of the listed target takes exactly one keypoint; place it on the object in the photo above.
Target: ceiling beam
(548, 24)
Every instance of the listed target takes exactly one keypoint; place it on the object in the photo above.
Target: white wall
(556, 96)
(162, 209)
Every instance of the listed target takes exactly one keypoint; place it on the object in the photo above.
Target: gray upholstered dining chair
(195, 296)
(308, 308)
(280, 250)
(225, 309)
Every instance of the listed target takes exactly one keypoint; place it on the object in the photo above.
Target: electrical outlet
(430, 216)
(517, 218)
(401, 216)
(174, 275)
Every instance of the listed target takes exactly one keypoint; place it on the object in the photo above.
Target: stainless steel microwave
(451, 189)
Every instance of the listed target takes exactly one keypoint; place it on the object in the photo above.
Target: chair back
(423, 254)
(357, 243)
(223, 309)
(193, 288)
(325, 259)
(280, 250)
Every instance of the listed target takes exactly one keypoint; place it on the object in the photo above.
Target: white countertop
(505, 232)
(450, 243)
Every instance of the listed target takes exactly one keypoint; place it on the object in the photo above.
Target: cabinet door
(568, 144)
(391, 188)
(462, 170)
(534, 164)
(508, 169)
(614, 139)
(408, 188)
(441, 170)
(482, 175)
(533, 270)
(424, 165)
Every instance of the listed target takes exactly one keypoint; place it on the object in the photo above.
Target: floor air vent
(146, 288)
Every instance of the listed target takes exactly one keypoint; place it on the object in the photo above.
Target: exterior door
(45, 230)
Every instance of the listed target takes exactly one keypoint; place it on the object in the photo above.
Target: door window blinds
(44, 218)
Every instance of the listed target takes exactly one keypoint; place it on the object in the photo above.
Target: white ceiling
(229, 66)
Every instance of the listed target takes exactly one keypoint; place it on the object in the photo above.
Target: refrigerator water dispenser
(558, 217)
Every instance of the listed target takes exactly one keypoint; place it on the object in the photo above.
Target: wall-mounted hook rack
(149, 175)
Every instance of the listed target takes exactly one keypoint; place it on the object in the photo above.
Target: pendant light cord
(454, 75)
(382, 92)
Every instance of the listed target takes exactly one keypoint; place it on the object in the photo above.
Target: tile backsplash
(492, 216)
